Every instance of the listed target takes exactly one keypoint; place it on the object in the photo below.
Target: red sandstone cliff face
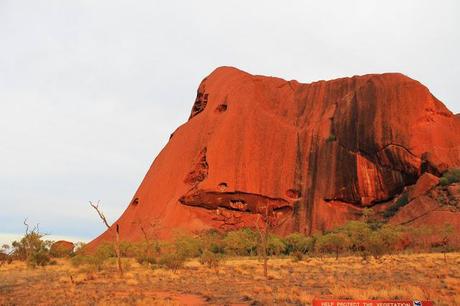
(315, 154)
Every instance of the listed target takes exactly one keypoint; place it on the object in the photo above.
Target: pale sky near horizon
(91, 90)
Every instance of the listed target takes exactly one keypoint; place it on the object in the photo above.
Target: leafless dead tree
(264, 233)
(117, 234)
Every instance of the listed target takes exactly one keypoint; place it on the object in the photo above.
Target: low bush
(212, 240)
(95, 260)
(144, 252)
(297, 256)
(32, 249)
(276, 246)
(210, 259)
(187, 246)
(171, 261)
(450, 176)
(297, 242)
(40, 257)
(91, 261)
(333, 243)
(241, 242)
(146, 259)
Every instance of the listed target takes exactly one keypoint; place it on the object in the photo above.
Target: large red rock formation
(316, 154)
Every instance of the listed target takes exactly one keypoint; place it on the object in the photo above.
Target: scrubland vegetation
(362, 259)
(450, 176)
(237, 280)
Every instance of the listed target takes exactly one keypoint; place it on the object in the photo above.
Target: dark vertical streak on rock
(298, 179)
(312, 173)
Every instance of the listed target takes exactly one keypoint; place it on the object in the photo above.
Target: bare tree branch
(100, 213)
(117, 234)
(27, 226)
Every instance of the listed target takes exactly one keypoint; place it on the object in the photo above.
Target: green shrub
(91, 261)
(450, 176)
(146, 259)
(212, 240)
(95, 260)
(444, 181)
(358, 233)
(212, 260)
(187, 246)
(333, 243)
(297, 242)
(383, 241)
(275, 246)
(127, 249)
(32, 249)
(40, 257)
(106, 250)
(172, 261)
(144, 252)
(242, 242)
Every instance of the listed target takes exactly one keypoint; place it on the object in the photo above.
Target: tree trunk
(117, 250)
(265, 247)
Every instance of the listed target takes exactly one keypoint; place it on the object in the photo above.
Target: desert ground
(236, 281)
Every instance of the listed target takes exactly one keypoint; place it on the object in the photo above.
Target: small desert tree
(32, 248)
(384, 240)
(446, 232)
(269, 224)
(117, 234)
(359, 234)
(333, 242)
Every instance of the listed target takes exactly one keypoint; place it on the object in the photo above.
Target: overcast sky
(91, 90)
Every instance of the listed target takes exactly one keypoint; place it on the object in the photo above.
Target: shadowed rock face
(315, 154)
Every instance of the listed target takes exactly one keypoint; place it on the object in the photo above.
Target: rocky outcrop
(62, 248)
(311, 155)
(423, 185)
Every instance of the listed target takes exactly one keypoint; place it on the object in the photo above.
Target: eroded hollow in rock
(200, 103)
(221, 108)
(238, 205)
(222, 186)
(293, 193)
(239, 201)
(200, 170)
(135, 201)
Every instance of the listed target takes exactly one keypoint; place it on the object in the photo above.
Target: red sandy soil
(237, 281)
